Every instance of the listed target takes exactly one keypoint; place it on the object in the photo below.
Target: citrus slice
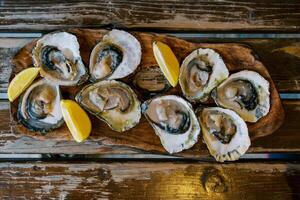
(167, 62)
(21, 82)
(76, 119)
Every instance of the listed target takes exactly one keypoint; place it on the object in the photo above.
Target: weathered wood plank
(8, 48)
(286, 139)
(223, 15)
(237, 57)
(136, 180)
(283, 59)
(280, 56)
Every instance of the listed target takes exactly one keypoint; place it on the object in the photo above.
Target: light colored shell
(171, 142)
(66, 43)
(219, 73)
(52, 121)
(262, 87)
(131, 48)
(239, 143)
(118, 121)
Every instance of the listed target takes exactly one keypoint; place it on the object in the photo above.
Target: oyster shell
(113, 102)
(173, 120)
(150, 81)
(225, 133)
(245, 92)
(116, 56)
(39, 108)
(58, 56)
(200, 73)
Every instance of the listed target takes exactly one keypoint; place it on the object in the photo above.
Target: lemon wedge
(21, 82)
(76, 119)
(167, 62)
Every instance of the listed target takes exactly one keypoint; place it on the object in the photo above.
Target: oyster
(173, 120)
(225, 133)
(39, 108)
(116, 56)
(58, 56)
(113, 102)
(245, 92)
(200, 73)
(151, 81)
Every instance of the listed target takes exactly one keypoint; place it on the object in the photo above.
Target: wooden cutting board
(236, 57)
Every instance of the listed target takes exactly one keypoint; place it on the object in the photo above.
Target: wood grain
(280, 56)
(285, 139)
(270, 15)
(236, 57)
(286, 78)
(136, 180)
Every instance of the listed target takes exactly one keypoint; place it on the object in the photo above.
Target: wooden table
(32, 169)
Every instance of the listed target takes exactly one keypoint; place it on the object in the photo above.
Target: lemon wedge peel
(76, 119)
(21, 82)
(167, 62)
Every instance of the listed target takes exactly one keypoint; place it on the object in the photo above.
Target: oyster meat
(173, 120)
(58, 56)
(225, 133)
(39, 108)
(245, 92)
(113, 102)
(200, 73)
(116, 56)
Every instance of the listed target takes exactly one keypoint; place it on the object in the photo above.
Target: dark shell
(150, 81)
(37, 126)
(33, 123)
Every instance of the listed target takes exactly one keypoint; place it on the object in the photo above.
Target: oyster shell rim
(196, 128)
(22, 120)
(215, 79)
(231, 155)
(37, 62)
(259, 82)
(138, 106)
(113, 38)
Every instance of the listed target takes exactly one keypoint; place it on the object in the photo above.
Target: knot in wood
(104, 174)
(36, 168)
(213, 181)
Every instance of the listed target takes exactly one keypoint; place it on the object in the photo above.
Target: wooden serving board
(142, 137)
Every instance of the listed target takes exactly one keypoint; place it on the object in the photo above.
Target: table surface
(33, 169)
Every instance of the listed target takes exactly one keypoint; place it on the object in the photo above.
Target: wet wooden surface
(269, 15)
(161, 180)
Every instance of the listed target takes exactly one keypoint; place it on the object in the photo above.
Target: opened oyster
(245, 92)
(113, 102)
(200, 73)
(116, 56)
(39, 108)
(58, 56)
(173, 120)
(225, 133)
